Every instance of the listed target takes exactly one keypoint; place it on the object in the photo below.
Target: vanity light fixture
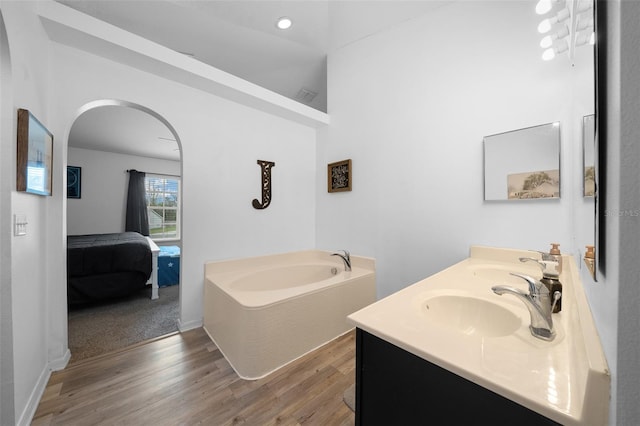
(574, 26)
(284, 23)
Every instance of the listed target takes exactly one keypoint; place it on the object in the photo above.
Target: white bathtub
(264, 312)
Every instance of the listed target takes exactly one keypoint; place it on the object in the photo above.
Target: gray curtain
(137, 219)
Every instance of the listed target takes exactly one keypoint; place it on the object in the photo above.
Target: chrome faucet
(538, 302)
(346, 258)
(551, 268)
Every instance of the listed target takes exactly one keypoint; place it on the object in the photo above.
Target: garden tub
(264, 312)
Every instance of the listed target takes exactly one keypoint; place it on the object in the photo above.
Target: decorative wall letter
(266, 185)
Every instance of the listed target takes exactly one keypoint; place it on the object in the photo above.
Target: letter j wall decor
(266, 185)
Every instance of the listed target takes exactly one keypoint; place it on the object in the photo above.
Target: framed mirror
(601, 54)
(523, 164)
(588, 157)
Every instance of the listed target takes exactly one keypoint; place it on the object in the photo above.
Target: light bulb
(543, 7)
(544, 26)
(546, 42)
(284, 23)
(592, 39)
(548, 54)
(559, 47)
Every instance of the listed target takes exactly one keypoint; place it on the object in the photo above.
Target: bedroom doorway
(108, 139)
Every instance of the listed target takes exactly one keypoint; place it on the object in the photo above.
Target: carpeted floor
(102, 328)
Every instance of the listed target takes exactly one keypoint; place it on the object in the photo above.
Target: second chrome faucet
(538, 301)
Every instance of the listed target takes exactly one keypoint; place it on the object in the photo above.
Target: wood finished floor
(183, 379)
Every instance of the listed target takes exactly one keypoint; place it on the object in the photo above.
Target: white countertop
(566, 380)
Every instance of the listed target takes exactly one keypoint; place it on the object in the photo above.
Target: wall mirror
(523, 164)
(588, 152)
(602, 56)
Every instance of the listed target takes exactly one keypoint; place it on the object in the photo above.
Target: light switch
(19, 225)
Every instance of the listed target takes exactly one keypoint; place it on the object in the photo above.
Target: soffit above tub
(240, 37)
(78, 30)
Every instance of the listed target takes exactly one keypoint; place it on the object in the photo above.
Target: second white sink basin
(502, 275)
(471, 315)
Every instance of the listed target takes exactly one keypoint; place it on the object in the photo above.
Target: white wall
(29, 254)
(102, 206)
(410, 106)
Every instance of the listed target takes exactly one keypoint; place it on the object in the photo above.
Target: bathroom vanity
(398, 387)
(448, 350)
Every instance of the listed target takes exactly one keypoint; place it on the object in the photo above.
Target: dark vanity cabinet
(395, 387)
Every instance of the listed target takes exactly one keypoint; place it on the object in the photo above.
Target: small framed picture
(339, 176)
(35, 155)
(74, 175)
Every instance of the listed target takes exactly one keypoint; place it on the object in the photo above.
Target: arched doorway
(107, 139)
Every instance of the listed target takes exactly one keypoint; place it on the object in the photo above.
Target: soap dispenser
(556, 255)
(551, 279)
(551, 265)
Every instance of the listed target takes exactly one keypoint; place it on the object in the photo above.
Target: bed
(108, 266)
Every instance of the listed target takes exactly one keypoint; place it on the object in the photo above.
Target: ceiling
(240, 37)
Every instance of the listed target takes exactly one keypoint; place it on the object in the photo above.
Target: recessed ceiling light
(284, 23)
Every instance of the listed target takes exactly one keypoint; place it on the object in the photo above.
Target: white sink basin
(471, 315)
(455, 321)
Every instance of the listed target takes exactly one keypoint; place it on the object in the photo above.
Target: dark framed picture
(74, 179)
(35, 155)
(339, 176)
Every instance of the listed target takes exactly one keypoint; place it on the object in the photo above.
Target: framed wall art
(339, 177)
(35, 155)
(74, 180)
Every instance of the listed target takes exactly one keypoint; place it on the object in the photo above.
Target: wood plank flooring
(183, 379)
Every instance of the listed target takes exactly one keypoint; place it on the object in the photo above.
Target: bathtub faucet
(346, 258)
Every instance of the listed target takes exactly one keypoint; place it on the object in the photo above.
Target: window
(163, 206)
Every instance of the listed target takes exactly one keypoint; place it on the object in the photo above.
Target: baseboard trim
(34, 399)
(189, 325)
(60, 363)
